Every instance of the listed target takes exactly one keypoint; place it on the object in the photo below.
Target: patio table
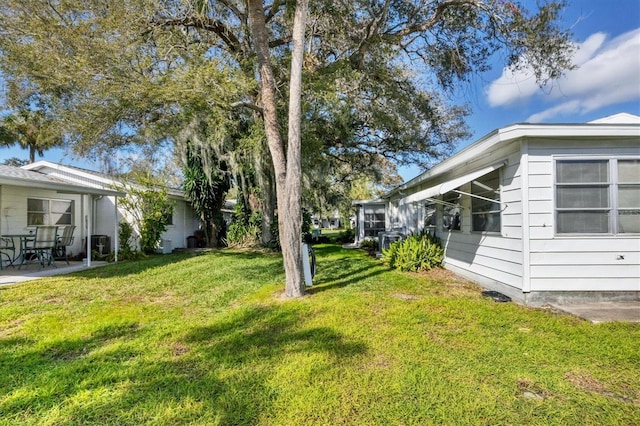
(23, 243)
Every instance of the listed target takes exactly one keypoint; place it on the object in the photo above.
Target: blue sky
(607, 80)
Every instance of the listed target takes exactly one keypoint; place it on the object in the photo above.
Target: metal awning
(451, 185)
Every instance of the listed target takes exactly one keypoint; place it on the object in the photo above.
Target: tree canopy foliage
(31, 125)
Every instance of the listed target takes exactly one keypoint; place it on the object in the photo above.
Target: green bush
(369, 245)
(243, 235)
(245, 230)
(347, 236)
(418, 252)
(126, 239)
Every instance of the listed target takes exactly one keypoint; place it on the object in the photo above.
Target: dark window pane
(581, 222)
(489, 222)
(583, 197)
(629, 196)
(582, 171)
(485, 214)
(61, 218)
(629, 171)
(629, 221)
(35, 205)
(36, 219)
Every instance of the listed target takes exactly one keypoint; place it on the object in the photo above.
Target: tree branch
(226, 35)
(249, 105)
(435, 18)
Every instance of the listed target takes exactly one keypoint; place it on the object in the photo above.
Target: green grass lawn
(207, 339)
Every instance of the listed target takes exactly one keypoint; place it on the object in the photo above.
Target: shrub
(418, 252)
(346, 236)
(245, 230)
(243, 235)
(126, 239)
(369, 245)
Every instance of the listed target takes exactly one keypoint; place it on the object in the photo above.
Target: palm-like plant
(32, 129)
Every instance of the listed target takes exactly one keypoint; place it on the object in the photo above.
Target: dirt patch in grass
(450, 284)
(404, 296)
(446, 276)
(179, 349)
(529, 389)
(54, 300)
(10, 327)
(590, 384)
(380, 362)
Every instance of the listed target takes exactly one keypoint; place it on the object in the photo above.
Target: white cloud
(608, 73)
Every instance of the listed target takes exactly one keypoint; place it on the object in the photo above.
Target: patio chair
(65, 241)
(7, 245)
(42, 246)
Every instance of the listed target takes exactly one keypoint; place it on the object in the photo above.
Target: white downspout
(115, 232)
(89, 217)
(526, 230)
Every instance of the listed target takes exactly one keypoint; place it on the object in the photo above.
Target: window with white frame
(41, 211)
(485, 206)
(597, 196)
(373, 220)
(430, 215)
(628, 192)
(452, 211)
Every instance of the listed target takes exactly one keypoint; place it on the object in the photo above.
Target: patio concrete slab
(599, 312)
(10, 275)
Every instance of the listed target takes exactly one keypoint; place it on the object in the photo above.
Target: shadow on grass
(47, 373)
(338, 268)
(225, 372)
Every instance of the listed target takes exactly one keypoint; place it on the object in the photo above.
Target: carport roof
(16, 176)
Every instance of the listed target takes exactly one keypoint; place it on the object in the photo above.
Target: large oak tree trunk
(287, 168)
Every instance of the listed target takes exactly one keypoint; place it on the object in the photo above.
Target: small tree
(150, 208)
(206, 190)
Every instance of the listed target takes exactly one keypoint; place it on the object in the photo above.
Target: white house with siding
(183, 222)
(29, 199)
(539, 212)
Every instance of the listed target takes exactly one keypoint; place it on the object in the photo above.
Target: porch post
(89, 218)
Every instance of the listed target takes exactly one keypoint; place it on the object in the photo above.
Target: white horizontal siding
(540, 233)
(473, 251)
(514, 232)
(585, 284)
(582, 245)
(511, 220)
(581, 263)
(491, 274)
(586, 271)
(541, 220)
(540, 181)
(540, 206)
(539, 194)
(598, 258)
(584, 146)
(491, 256)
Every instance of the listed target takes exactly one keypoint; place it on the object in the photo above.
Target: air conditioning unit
(386, 238)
